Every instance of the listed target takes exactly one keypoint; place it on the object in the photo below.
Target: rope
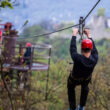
(45, 34)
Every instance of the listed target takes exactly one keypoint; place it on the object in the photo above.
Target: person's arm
(94, 52)
(73, 47)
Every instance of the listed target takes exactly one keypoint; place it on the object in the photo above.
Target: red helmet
(28, 44)
(0, 34)
(87, 43)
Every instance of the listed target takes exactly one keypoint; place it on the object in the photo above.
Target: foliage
(33, 98)
(57, 92)
(101, 12)
(6, 3)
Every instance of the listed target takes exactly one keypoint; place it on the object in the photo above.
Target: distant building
(98, 26)
(99, 22)
(108, 22)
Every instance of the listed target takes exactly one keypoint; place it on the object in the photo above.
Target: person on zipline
(84, 64)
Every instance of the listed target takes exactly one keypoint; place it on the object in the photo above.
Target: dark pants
(72, 83)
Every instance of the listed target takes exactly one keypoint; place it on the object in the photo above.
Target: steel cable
(45, 34)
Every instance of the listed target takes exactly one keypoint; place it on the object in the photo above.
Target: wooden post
(20, 46)
(31, 59)
(47, 79)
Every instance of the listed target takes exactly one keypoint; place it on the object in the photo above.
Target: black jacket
(27, 55)
(83, 67)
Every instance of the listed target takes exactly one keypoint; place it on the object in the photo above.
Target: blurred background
(58, 12)
(45, 16)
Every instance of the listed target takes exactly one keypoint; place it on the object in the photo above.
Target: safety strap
(80, 79)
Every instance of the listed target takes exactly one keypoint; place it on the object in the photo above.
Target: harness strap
(80, 79)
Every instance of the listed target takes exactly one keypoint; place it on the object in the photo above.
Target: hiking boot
(71, 109)
(81, 108)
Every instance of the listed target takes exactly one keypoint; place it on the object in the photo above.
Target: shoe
(81, 108)
(70, 109)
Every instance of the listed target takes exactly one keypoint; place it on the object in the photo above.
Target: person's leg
(71, 94)
(84, 93)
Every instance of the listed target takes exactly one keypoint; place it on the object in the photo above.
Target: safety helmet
(28, 44)
(87, 44)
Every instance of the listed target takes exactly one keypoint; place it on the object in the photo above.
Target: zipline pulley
(81, 27)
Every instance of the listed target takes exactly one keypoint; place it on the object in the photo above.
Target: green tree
(6, 3)
(101, 12)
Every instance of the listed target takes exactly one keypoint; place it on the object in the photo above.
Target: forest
(56, 96)
(35, 95)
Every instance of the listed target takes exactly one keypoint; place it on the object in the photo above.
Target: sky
(55, 10)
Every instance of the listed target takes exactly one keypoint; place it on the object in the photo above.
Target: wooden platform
(35, 67)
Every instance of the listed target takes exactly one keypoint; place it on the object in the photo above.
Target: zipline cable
(91, 10)
(45, 34)
(82, 20)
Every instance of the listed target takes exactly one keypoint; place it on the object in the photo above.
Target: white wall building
(108, 22)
